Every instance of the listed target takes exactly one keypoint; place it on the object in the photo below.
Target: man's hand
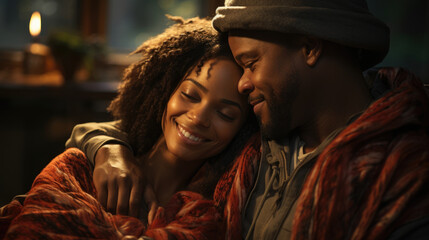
(151, 203)
(118, 179)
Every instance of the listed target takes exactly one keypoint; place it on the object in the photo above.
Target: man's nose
(245, 86)
(199, 115)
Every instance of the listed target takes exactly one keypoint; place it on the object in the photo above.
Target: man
(336, 161)
(302, 64)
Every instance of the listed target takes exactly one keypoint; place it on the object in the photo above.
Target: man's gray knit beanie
(346, 22)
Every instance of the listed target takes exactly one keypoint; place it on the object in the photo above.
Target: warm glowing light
(35, 24)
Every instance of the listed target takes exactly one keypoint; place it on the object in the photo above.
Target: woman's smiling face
(206, 111)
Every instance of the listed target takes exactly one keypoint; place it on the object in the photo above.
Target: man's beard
(277, 125)
(279, 122)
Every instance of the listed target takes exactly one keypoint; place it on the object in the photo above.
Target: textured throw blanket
(62, 205)
(374, 176)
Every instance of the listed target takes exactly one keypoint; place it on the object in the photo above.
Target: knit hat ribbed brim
(346, 22)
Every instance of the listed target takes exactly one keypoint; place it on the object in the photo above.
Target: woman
(180, 107)
(182, 114)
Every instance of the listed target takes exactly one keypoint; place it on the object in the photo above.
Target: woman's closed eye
(190, 96)
(226, 117)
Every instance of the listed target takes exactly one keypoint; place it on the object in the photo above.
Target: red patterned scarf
(234, 187)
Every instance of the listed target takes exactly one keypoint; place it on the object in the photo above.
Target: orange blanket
(62, 205)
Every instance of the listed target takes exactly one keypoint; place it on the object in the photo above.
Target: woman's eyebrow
(204, 89)
(232, 103)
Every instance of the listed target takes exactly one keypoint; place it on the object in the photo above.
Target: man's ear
(312, 50)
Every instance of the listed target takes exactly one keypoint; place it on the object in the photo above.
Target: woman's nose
(199, 115)
(245, 86)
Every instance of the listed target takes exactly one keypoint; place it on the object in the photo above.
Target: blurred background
(61, 61)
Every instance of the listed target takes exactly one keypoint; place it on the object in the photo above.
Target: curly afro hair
(148, 84)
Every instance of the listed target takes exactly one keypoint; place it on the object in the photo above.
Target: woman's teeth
(189, 135)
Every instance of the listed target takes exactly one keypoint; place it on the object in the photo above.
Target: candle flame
(35, 24)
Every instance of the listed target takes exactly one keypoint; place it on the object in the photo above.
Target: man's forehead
(242, 45)
(245, 41)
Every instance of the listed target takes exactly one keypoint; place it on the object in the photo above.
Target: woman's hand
(119, 180)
